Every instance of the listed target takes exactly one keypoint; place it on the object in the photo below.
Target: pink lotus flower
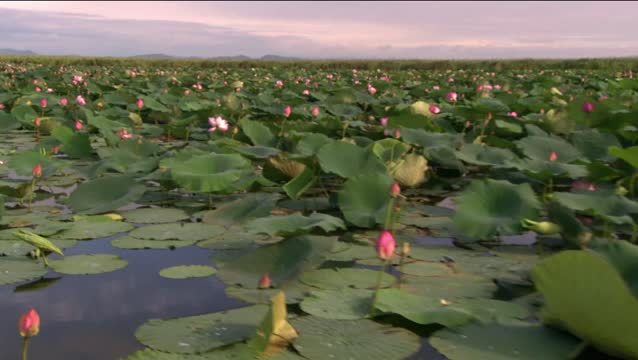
(279, 84)
(306, 92)
(287, 111)
(435, 109)
(498, 87)
(29, 323)
(49, 91)
(35, 81)
(2, 106)
(198, 86)
(384, 121)
(77, 79)
(124, 134)
(397, 133)
(44, 103)
(218, 123)
(395, 189)
(385, 245)
(139, 103)
(385, 78)
(371, 89)
(553, 156)
(80, 100)
(36, 122)
(187, 92)
(452, 96)
(603, 98)
(315, 111)
(436, 87)
(583, 185)
(588, 107)
(78, 125)
(264, 282)
(37, 171)
(63, 101)
(37, 89)
(512, 114)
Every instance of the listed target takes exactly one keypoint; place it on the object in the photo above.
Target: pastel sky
(395, 29)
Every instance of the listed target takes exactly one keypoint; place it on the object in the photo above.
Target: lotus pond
(155, 212)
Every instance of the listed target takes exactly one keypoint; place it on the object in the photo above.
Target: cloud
(323, 29)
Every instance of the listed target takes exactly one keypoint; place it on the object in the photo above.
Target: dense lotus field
(510, 234)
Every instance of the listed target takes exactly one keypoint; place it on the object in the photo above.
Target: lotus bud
(287, 111)
(588, 107)
(80, 100)
(395, 189)
(384, 121)
(397, 133)
(541, 227)
(444, 302)
(452, 96)
(385, 245)
(44, 103)
(406, 249)
(37, 171)
(435, 109)
(78, 125)
(36, 122)
(553, 156)
(29, 324)
(139, 103)
(264, 282)
(315, 111)
(64, 101)
(621, 191)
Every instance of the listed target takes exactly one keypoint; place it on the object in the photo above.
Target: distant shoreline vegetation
(619, 64)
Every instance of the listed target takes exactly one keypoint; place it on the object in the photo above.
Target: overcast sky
(394, 29)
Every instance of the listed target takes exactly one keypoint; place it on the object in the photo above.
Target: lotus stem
(388, 216)
(25, 347)
(378, 286)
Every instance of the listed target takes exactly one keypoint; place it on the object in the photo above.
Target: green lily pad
(348, 160)
(88, 264)
(282, 261)
(327, 339)
(343, 304)
(364, 199)
(541, 147)
(421, 268)
(154, 215)
(187, 271)
(233, 352)
(503, 342)
(421, 310)
(630, 154)
(209, 173)
(494, 207)
(248, 207)
(131, 243)
(182, 231)
(87, 230)
(105, 194)
(345, 278)
(196, 334)
(18, 270)
(607, 319)
(449, 287)
(289, 224)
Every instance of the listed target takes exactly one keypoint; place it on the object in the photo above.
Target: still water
(94, 317)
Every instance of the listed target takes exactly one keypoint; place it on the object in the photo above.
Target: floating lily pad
(88, 264)
(449, 287)
(248, 207)
(233, 352)
(503, 342)
(182, 231)
(19, 270)
(364, 199)
(105, 194)
(196, 334)
(352, 339)
(344, 304)
(187, 271)
(345, 278)
(421, 268)
(289, 224)
(131, 243)
(154, 215)
(88, 230)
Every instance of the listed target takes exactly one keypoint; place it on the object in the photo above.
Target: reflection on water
(94, 317)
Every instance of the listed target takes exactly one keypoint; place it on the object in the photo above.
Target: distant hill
(153, 56)
(277, 57)
(16, 52)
